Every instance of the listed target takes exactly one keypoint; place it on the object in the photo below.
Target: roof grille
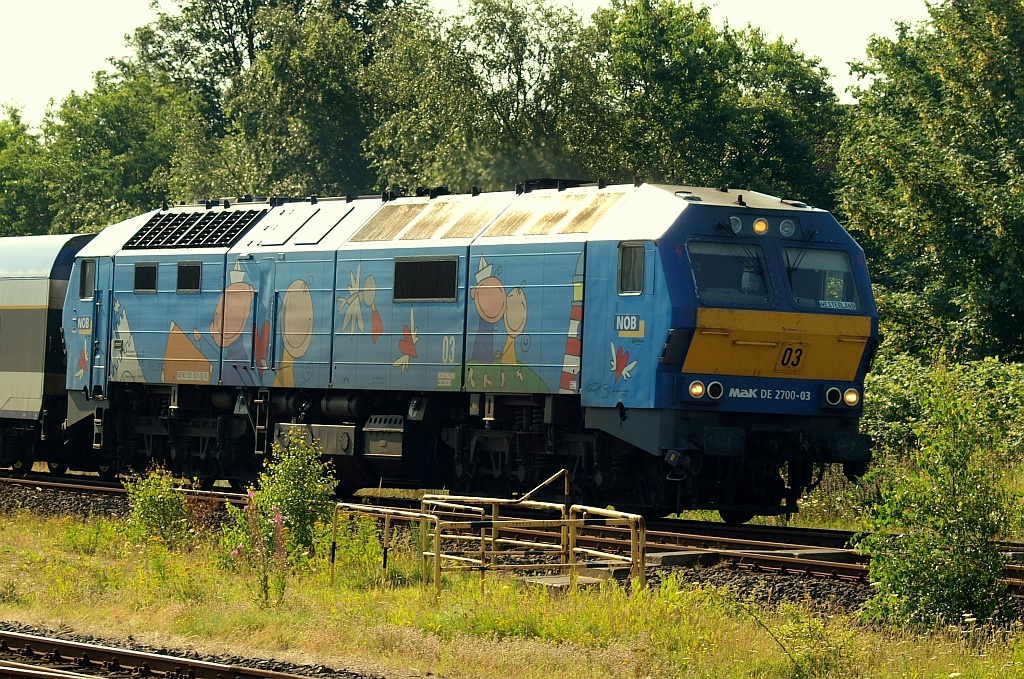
(172, 230)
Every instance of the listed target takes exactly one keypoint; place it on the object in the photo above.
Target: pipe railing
(455, 520)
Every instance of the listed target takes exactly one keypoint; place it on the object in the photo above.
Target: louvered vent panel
(173, 230)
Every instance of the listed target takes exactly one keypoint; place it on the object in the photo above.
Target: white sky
(50, 48)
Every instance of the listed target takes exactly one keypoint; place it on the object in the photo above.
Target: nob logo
(626, 322)
(629, 325)
(83, 323)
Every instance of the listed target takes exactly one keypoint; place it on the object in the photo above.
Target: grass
(89, 576)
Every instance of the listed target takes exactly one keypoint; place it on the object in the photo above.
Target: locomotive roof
(614, 212)
(38, 256)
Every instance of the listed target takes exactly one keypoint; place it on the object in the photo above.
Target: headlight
(851, 397)
(696, 389)
(787, 228)
(760, 226)
(833, 396)
(715, 391)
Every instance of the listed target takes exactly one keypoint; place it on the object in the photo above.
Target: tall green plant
(300, 483)
(157, 509)
(933, 551)
(283, 517)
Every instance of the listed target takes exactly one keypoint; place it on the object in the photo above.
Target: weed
(88, 538)
(9, 592)
(157, 509)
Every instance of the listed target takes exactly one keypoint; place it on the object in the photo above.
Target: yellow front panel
(745, 343)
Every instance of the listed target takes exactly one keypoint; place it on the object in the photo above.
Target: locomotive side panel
(160, 318)
(525, 317)
(400, 318)
(283, 308)
(627, 321)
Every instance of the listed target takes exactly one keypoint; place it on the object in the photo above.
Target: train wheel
(735, 518)
(21, 465)
(107, 470)
(57, 468)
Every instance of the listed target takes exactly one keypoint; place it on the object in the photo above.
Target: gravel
(51, 502)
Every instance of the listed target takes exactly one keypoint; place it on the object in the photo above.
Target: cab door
(87, 326)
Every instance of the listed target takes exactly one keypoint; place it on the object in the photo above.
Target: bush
(157, 509)
(283, 518)
(936, 520)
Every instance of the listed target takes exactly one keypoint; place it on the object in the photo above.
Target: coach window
(189, 277)
(145, 277)
(87, 282)
(631, 268)
(426, 280)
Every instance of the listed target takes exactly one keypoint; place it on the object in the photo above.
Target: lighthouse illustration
(569, 383)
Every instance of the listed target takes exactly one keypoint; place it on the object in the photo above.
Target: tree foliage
(481, 99)
(25, 208)
(108, 149)
(931, 173)
(299, 97)
(296, 117)
(692, 103)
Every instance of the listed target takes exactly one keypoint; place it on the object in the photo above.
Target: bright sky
(52, 47)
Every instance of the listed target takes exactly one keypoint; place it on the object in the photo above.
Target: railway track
(89, 484)
(31, 656)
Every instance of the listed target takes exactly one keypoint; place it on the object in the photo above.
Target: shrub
(283, 518)
(157, 509)
(936, 520)
(300, 484)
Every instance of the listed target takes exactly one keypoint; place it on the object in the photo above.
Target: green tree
(296, 116)
(109, 149)
(482, 99)
(25, 207)
(685, 101)
(931, 169)
(668, 74)
(787, 125)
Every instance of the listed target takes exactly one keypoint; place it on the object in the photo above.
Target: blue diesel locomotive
(673, 347)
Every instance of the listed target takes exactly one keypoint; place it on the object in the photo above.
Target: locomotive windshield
(730, 274)
(821, 279)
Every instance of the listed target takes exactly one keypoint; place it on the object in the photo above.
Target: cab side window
(631, 268)
(87, 281)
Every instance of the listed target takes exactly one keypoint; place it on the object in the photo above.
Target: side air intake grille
(168, 230)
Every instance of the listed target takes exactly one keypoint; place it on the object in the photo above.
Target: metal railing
(469, 533)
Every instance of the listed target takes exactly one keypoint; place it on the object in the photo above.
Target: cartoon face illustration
(231, 317)
(297, 319)
(489, 297)
(515, 312)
